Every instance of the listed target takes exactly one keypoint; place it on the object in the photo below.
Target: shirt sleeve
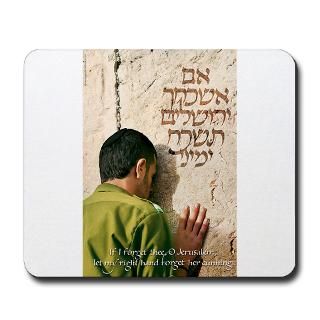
(153, 239)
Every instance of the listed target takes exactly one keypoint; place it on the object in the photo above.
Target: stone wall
(185, 102)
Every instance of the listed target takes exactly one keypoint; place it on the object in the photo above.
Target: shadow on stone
(166, 183)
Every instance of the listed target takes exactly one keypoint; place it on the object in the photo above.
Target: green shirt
(124, 236)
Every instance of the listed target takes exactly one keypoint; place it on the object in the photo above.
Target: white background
(31, 24)
(265, 163)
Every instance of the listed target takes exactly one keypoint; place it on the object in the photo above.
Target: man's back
(120, 230)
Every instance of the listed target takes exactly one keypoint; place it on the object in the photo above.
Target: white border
(53, 163)
(266, 163)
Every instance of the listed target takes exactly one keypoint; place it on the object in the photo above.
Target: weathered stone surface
(158, 91)
(98, 111)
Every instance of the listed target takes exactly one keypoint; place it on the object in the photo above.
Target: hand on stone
(190, 234)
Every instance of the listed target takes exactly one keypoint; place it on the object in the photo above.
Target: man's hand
(190, 233)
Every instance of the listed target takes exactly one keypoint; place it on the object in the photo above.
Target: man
(125, 235)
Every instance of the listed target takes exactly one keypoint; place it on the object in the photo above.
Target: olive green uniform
(124, 236)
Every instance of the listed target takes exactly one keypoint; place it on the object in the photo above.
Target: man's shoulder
(122, 200)
(151, 206)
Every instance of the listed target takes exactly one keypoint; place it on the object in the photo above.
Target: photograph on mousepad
(160, 163)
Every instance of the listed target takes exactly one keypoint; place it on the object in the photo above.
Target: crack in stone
(217, 224)
(231, 64)
(232, 248)
(84, 69)
(136, 58)
(150, 85)
(117, 63)
(102, 86)
(223, 159)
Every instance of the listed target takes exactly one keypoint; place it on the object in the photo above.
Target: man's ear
(141, 168)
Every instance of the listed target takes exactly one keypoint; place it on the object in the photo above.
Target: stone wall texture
(185, 102)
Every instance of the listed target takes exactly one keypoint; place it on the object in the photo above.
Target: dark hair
(121, 151)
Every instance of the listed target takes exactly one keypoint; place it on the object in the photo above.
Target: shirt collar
(108, 187)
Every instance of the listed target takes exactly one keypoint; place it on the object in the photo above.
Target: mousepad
(159, 163)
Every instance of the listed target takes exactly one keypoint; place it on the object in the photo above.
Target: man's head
(129, 155)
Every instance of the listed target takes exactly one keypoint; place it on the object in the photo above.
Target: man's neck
(122, 183)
